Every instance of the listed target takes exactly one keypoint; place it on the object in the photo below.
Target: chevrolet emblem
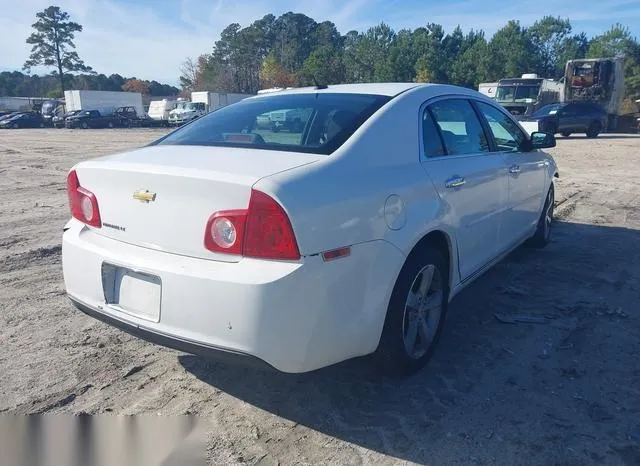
(144, 196)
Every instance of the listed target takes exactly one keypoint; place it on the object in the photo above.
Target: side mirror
(540, 140)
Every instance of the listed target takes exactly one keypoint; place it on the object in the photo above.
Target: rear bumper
(295, 316)
(169, 341)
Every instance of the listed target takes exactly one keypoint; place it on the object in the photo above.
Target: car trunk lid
(160, 197)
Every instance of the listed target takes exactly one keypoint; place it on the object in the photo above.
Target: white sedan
(346, 237)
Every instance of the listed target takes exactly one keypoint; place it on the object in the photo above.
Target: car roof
(386, 89)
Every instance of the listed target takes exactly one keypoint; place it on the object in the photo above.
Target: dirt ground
(562, 391)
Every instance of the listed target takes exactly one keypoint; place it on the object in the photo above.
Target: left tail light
(82, 202)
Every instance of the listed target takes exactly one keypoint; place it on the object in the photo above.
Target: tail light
(262, 231)
(82, 202)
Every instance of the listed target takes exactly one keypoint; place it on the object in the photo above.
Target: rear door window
(459, 127)
(316, 123)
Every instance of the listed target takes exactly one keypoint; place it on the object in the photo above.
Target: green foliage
(293, 47)
(616, 42)
(53, 43)
(548, 37)
(22, 85)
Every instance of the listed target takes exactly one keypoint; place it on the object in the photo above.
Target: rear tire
(594, 129)
(566, 134)
(414, 316)
(543, 231)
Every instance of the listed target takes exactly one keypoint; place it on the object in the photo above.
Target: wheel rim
(548, 215)
(422, 312)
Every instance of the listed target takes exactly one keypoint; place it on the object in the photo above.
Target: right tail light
(263, 230)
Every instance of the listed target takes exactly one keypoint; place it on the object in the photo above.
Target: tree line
(17, 84)
(294, 49)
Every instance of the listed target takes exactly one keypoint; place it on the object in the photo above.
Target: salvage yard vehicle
(185, 112)
(23, 120)
(525, 95)
(569, 118)
(58, 121)
(92, 119)
(598, 81)
(129, 118)
(7, 115)
(222, 237)
(159, 110)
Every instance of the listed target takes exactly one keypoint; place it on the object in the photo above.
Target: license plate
(135, 293)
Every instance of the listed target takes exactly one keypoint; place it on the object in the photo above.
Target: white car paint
(376, 194)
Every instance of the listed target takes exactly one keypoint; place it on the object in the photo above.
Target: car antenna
(318, 86)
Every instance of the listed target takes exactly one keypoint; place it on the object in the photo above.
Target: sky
(150, 39)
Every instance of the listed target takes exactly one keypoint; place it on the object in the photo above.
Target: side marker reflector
(336, 254)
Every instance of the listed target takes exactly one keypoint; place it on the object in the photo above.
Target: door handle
(514, 169)
(455, 182)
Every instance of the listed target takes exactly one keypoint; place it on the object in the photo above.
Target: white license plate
(132, 292)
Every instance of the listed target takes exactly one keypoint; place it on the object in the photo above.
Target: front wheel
(85, 125)
(543, 231)
(415, 314)
(566, 134)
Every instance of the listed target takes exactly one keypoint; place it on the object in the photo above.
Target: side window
(508, 136)
(431, 136)
(459, 127)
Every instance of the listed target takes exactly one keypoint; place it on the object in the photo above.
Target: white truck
(159, 110)
(185, 112)
(102, 100)
(216, 100)
(523, 96)
(202, 102)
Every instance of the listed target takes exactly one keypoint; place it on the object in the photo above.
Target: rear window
(314, 123)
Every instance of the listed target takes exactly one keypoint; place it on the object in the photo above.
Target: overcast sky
(149, 39)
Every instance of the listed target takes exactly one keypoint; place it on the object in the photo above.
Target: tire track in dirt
(40, 256)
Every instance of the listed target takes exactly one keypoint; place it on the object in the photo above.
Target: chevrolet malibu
(304, 249)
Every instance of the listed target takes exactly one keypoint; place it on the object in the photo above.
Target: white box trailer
(216, 100)
(488, 89)
(101, 100)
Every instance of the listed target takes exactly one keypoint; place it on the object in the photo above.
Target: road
(562, 391)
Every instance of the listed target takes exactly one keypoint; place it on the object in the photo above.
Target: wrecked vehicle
(599, 81)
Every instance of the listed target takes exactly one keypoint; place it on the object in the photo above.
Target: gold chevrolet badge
(144, 195)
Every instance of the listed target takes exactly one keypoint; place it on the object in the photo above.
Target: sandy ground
(565, 391)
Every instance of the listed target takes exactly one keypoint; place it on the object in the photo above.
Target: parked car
(129, 118)
(58, 121)
(23, 120)
(92, 119)
(8, 115)
(571, 117)
(222, 237)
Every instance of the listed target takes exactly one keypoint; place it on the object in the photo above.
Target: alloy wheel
(422, 311)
